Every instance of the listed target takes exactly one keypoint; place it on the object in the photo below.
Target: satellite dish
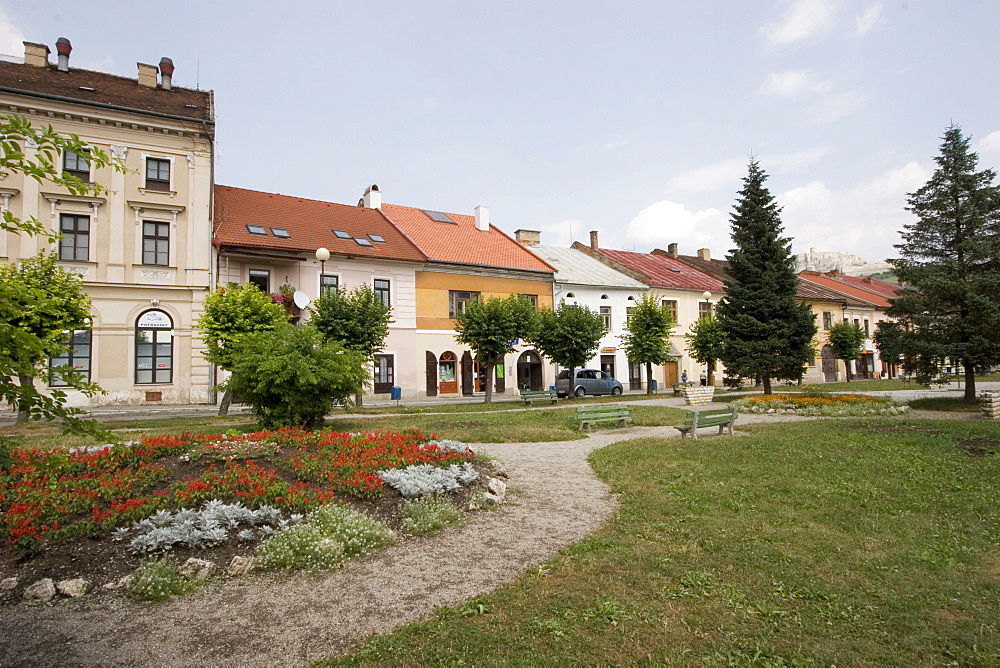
(301, 299)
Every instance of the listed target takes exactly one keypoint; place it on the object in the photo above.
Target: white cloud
(617, 144)
(990, 143)
(868, 19)
(11, 37)
(836, 107)
(666, 222)
(863, 219)
(728, 173)
(803, 19)
(793, 82)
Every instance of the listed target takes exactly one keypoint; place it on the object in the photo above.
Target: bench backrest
(602, 411)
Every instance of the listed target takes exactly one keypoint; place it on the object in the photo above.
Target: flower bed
(830, 405)
(58, 495)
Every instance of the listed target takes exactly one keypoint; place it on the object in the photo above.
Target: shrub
(327, 537)
(159, 579)
(431, 513)
(292, 377)
(424, 479)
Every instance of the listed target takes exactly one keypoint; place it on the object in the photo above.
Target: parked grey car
(588, 381)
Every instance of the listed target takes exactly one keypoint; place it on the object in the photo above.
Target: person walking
(684, 376)
(704, 379)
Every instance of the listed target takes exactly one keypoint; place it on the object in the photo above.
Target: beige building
(143, 248)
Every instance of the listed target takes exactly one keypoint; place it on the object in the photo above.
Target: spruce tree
(768, 334)
(950, 266)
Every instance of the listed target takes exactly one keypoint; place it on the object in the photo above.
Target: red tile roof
(871, 284)
(872, 298)
(107, 89)
(310, 224)
(664, 271)
(811, 292)
(460, 241)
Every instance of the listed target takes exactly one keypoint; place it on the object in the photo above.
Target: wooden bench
(592, 415)
(721, 418)
(538, 395)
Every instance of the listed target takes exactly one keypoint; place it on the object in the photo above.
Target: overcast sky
(635, 119)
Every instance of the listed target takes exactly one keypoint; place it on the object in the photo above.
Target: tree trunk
(649, 378)
(570, 389)
(970, 383)
(847, 367)
(227, 398)
(766, 382)
(491, 370)
(359, 399)
(711, 373)
(22, 411)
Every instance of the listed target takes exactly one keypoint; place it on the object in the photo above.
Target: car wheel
(579, 392)
(616, 391)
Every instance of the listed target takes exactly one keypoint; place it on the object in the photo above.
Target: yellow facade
(434, 288)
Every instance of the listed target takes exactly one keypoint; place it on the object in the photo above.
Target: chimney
(672, 250)
(63, 48)
(593, 241)
(166, 73)
(704, 254)
(528, 237)
(372, 198)
(482, 218)
(36, 55)
(147, 75)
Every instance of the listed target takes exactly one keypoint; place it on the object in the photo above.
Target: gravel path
(269, 619)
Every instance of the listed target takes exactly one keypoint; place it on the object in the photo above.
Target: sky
(634, 119)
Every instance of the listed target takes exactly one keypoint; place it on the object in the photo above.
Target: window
(382, 290)
(75, 242)
(827, 320)
(341, 234)
(257, 229)
(261, 278)
(606, 315)
(76, 165)
(281, 233)
(868, 328)
(533, 299)
(672, 305)
(157, 174)
(361, 241)
(384, 373)
(457, 300)
(704, 310)
(155, 243)
(154, 348)
(628, 314)
(857, 322)
(328, 282)
(76, 356)
(438, 216)
(377, 238)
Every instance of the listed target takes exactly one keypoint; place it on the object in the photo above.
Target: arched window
(154, 348)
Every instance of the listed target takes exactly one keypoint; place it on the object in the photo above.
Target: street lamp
(322, 255)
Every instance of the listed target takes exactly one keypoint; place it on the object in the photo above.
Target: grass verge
(854, 542)
(956, 404)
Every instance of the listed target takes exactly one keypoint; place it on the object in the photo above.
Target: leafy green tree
(358, 319)
(569, 335)
(705, 342)
(950, 266)
(23, 343)
(767, 333)
(40, 306)
(888, 337)
(490, 327)
(846, 340)
(231, 313)
(647, 335)
(292, 377)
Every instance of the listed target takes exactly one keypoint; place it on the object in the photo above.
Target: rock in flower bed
(828, 405)
(106, 507)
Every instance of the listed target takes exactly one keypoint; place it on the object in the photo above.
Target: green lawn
(944, 404)
(490, 426)
(828, 542)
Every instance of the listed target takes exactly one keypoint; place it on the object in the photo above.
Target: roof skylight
(341, 234)
(257, 229)
(438, 216)
(281, 233)
(361, 241)
(377, 238)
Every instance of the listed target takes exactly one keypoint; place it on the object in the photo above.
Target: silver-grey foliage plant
(423, 479)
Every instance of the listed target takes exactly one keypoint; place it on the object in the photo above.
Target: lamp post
(322, 255)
